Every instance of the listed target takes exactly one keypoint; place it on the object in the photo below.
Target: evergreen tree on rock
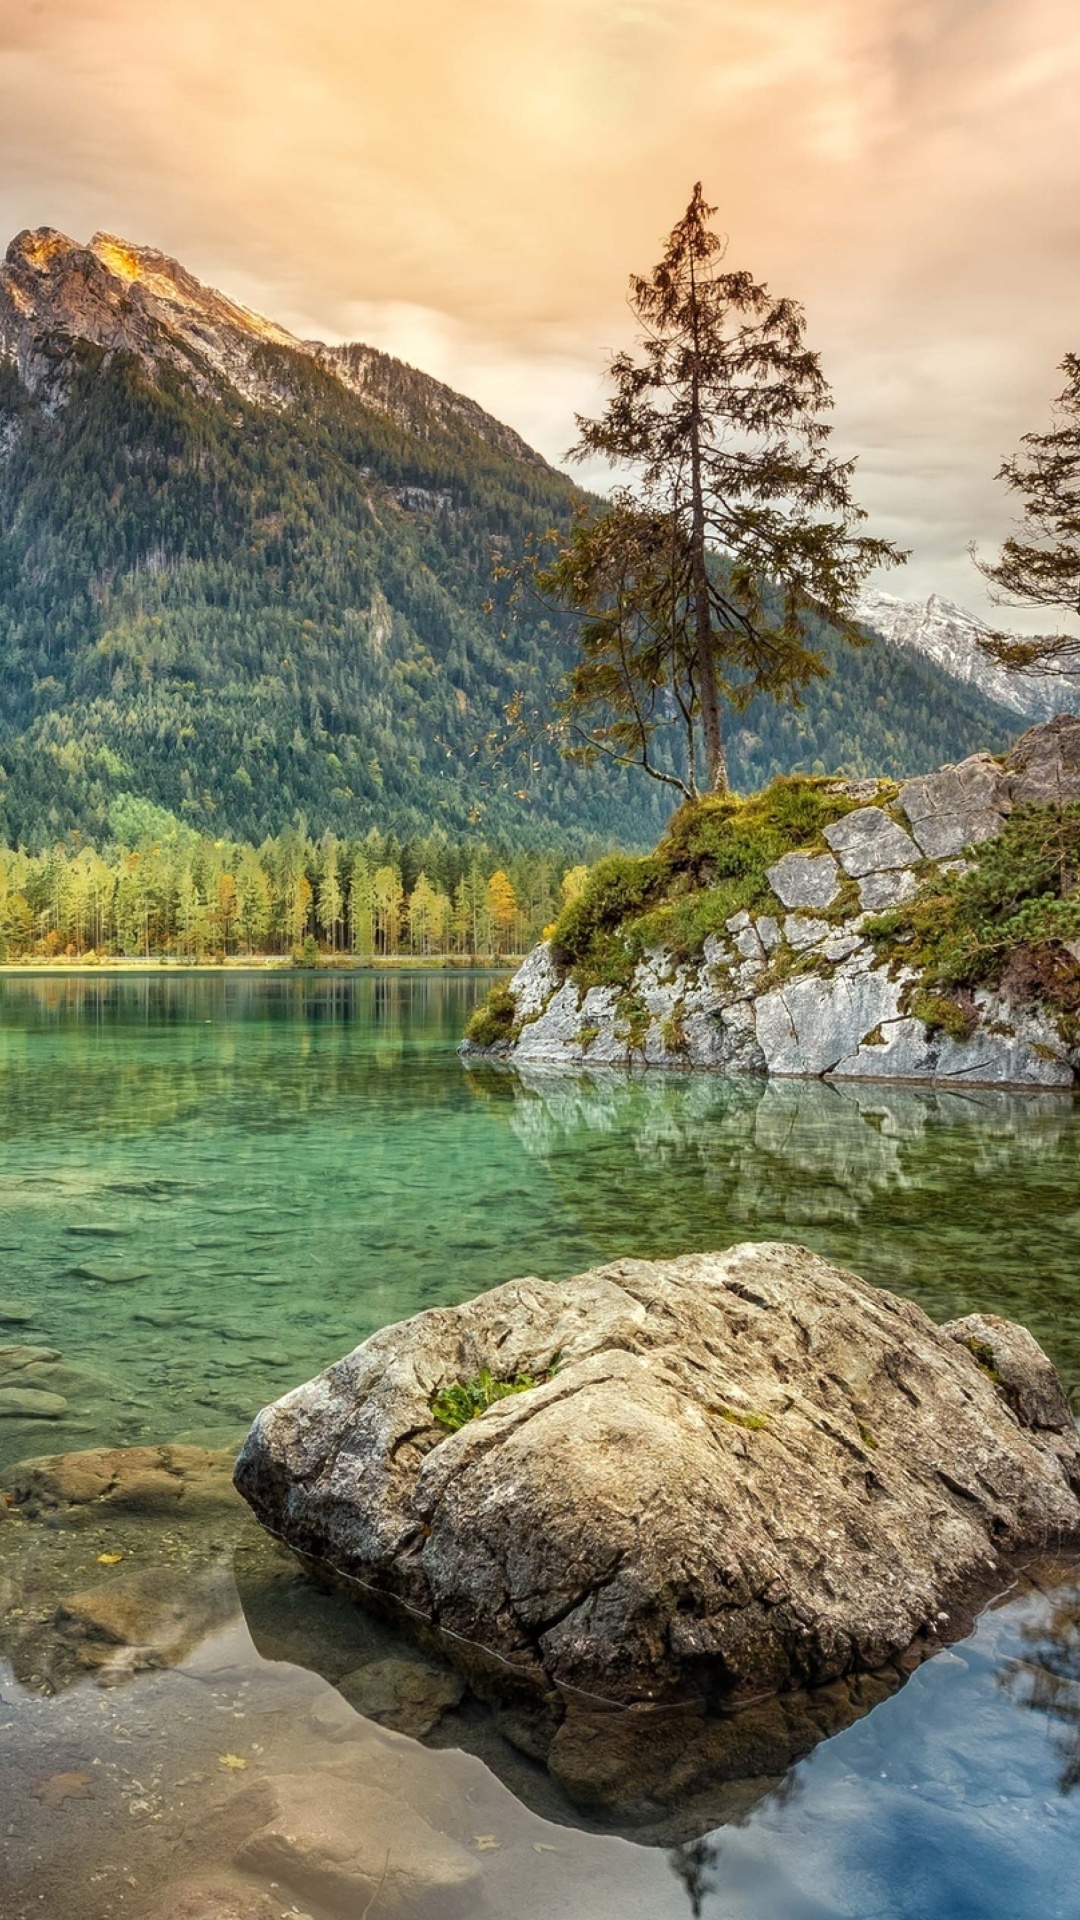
(738, 533)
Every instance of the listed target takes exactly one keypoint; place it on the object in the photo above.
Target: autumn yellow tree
(503, 908)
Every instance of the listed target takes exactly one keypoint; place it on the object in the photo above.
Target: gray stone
(86, 1487)
(1044, 765)
(14, 1314)
(997, 1054)
(805, 880)
(535, 981)
(748, 944)
(860, 790)
(109, 1276)
(351, 1843)
(14, 1359)
(768, 931)
(712, 1393)
(958, 806)
(738, 921)
(879, 891)
(810, 1024)
(156, 1612)
(867, 841)
(842, 947)
(801, 932)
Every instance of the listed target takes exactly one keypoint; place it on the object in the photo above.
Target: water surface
(211, 1186)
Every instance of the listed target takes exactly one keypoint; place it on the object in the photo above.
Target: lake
(212, 1185)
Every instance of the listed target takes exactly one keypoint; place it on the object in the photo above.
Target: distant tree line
(201, 900)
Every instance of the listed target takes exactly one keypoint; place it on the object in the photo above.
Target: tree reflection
(1046, 1678)
(695, 1865)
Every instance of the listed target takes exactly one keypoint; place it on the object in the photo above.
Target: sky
(469, 185)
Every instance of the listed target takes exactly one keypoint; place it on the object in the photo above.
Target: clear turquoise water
(211, 1186)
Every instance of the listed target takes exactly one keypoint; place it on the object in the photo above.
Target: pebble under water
(210, 1186)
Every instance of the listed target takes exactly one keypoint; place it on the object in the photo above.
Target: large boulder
(737, 1475)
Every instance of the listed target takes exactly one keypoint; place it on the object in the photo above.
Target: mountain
(246, 577)
(944, 633)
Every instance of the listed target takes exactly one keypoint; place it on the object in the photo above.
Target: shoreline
(269, 963)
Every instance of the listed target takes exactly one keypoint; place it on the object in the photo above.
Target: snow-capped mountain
(949, 635)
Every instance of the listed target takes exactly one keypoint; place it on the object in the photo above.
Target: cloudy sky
(469, 184)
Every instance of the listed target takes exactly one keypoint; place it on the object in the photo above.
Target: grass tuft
(454, 1406)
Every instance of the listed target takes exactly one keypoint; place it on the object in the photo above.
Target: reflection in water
(695, 1864)
(148, 1738)
(964, 1200)
(1046, 1679)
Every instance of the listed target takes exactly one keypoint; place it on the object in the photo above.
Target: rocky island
(706, 1510)
(928, 930)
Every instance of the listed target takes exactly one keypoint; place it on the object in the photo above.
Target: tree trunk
(715, 764)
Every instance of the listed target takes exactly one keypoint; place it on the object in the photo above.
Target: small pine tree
(1040, 565)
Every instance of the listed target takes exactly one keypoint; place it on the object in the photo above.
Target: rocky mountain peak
(123, 298)
(126, 298)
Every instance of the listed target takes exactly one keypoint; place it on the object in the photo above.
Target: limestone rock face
(741, 1473)
(959, 806)
(867, 841)
(805, 880)
(804, 989)
(1044, 765)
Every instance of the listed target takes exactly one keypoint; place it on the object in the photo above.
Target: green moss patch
(711, 864)
(494, 1022)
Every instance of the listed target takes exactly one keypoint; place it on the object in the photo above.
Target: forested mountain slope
(244, 576)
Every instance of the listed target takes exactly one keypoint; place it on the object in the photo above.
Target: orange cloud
(471, 185)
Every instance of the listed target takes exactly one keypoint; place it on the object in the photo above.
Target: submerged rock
(15, 1313)
(408, 1695)
(740, 1478)
(349, 1841)
(31, 1403)
(86, 1487)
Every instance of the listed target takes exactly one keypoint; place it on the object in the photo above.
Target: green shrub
(494, 1020)
(673, 1029)
(942, 1013)
(1020, 893)
(710, 865)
